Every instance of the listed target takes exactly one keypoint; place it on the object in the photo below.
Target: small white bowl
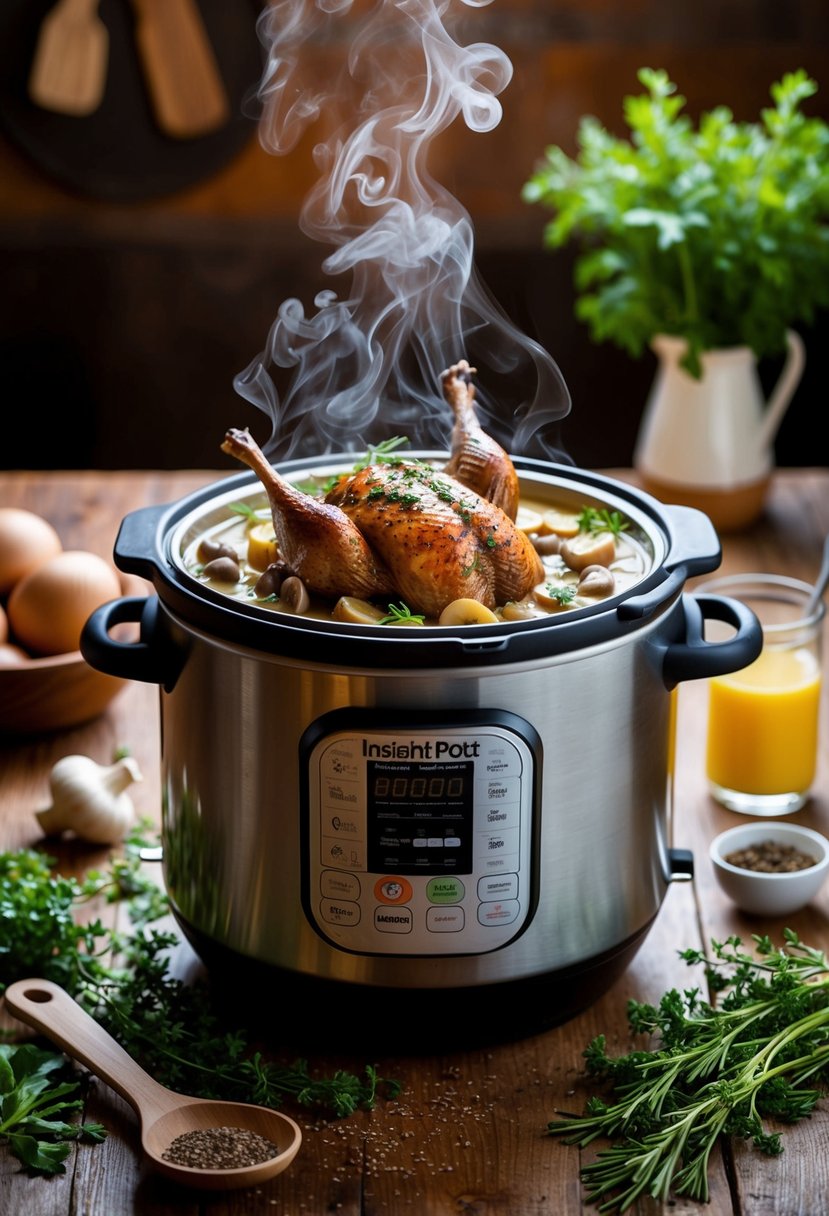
(770, 894)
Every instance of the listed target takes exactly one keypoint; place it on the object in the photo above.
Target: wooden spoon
(186, 88)
(163, 1114)
(70, 63)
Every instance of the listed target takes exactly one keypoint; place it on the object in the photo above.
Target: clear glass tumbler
(762, 739)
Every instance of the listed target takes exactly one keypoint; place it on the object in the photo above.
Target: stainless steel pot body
(234, 854)
(266, 723)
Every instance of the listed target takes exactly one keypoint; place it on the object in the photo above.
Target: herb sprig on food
(761, 1052)
(593, 519)
(123, 980)
(401, 614)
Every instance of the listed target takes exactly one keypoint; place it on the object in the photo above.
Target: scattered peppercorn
(770, 857)
(220, 1148)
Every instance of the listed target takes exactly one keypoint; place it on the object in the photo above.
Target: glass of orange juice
(762, 738)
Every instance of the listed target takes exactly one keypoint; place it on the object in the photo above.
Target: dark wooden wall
(123, 322)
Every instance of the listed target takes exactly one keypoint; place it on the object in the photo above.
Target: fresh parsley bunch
(123, 980)
(762, 1052)
(718, 233)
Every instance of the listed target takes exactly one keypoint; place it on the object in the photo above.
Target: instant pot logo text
(426, 749)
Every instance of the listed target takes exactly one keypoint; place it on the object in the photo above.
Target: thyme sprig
(762, 1052)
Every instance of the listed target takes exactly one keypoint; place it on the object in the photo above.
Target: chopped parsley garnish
(562, 595)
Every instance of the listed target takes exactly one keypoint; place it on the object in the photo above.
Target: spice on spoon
(771, 857)
(220, 1148)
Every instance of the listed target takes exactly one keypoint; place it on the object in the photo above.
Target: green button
(445, 891)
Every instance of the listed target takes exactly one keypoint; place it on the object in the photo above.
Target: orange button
(393, 890)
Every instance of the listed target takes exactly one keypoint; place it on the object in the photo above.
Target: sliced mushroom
(209, 550)
(589, 549)
(547, 545)
(293, 596)
(223, 570)
(596, 581)
(467, 612)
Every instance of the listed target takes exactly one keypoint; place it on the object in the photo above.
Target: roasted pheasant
(402, 529)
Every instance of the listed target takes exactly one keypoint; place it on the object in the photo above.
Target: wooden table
(468, 1132)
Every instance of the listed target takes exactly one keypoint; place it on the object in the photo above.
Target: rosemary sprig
(763, 1051)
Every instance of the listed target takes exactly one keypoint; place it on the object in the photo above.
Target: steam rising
(368, 366)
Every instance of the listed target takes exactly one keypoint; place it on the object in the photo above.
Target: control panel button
(498, 886)
(445, 890)
(335, 885)
(344, 854)
(445, 920)
(499, 912)
(393, 920)
(340, 912)
(393, 889)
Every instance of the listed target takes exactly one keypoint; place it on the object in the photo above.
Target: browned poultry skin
(439, 540)
(399, 528)
(476, 459)
(317, 540)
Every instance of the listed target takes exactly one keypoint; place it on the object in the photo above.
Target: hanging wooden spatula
(70, 64)
(186, 88)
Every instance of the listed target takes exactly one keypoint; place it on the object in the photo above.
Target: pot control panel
(419, 831)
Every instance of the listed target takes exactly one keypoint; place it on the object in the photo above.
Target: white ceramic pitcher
(709, 443)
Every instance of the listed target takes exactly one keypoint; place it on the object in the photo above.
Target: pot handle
(695, 658)
(146, 660)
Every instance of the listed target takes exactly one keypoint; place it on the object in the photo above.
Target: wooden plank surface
(468, 1133)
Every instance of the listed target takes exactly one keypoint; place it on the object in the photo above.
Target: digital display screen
(420, 817)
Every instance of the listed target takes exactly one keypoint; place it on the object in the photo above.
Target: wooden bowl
(56, 692)
(53, 694)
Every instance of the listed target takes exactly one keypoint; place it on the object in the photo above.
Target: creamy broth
(623, 561)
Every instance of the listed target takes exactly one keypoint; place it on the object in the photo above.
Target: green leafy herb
(123, 980)
(242, 508)
(763, 1051)
(592, 519)
(401, 614)
(382, 453)
(35, 1097)
(563, 595)
(718, 234)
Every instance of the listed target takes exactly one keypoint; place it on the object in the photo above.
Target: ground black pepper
(220, 1148)
(770, 857)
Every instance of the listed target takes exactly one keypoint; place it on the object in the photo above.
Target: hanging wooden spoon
(164, 1114)
(186, 88)
(69, 68)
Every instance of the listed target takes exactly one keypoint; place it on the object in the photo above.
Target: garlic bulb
(90, 799)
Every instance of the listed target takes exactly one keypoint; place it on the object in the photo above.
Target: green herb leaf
(717, 1071)
(173, 1029)
(401, 614)
(717, 233)
(32, 1106)
(592, 519)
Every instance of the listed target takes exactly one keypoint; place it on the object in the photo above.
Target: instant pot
(427, 834)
